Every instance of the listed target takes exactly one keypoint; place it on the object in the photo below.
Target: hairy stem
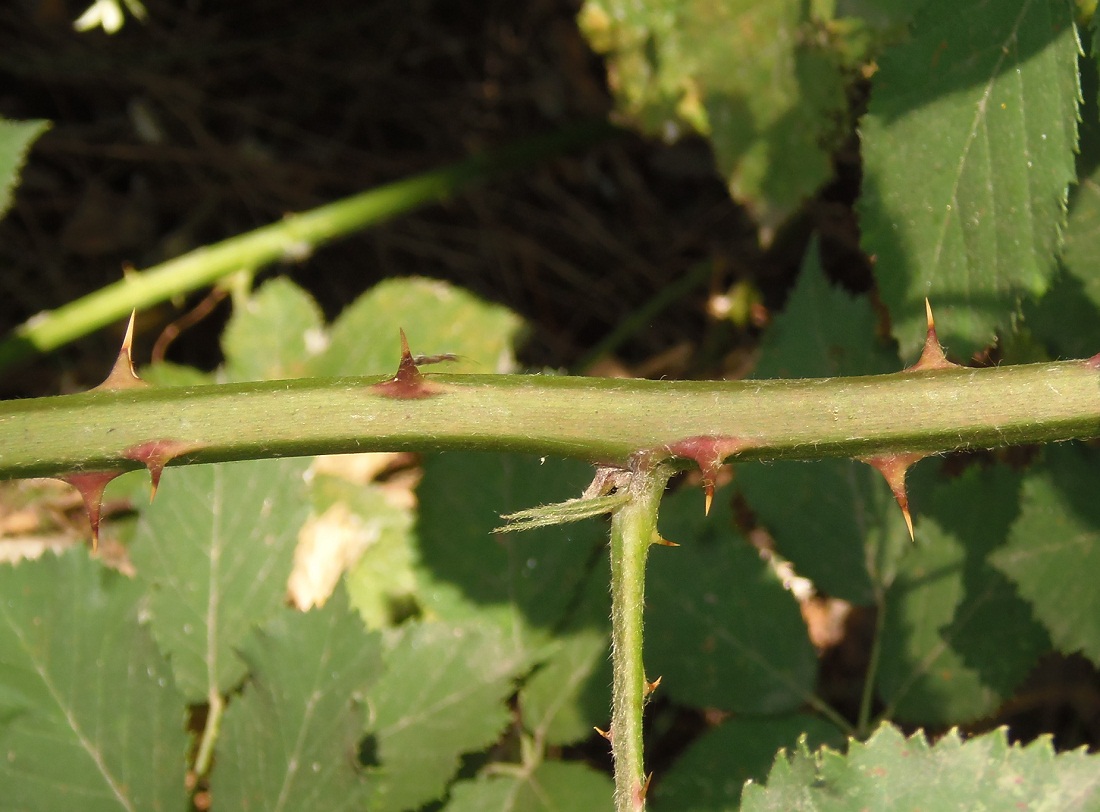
(633, 529)
(602, 420)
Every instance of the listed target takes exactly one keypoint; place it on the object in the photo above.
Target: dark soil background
(214, 118)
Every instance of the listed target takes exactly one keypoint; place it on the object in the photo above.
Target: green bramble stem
(633, 529)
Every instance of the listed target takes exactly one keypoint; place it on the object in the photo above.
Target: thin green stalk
(633, 529)
(210, 731)
(294, 236)
(863, 724)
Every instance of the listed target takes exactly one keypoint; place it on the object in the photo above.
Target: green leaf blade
(16, 138)
(292, 740)
(89, 717)
(890, 771)
(1053, 552)
(969, 143)
(720, 629)
(274, 333)
(552, 786)
(217, 548)
(442, 695)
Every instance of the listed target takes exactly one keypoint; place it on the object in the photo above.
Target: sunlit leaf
(569, 694)
(216, 548)
(89, 716)
(747, 73)
(442, 694)
(16, 138)
(892, 772)
(291, 741)
(273, 333)
(436, 317)
(969, 146)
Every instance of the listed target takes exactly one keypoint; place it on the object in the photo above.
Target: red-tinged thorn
(91, 486)
(932, 356)
(894, 467)
(605, 733)
(1094, 362)
(122, 374)
(156, 454)
(408, 383)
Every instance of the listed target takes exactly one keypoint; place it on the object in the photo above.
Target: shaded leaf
(749, 74)
(720, 629)
(291, 741)
(552, 786)
(442, 694)
(90, 717)
(436, 317)
(524, 582)
(969, 144)
(710, 774)
(956, 637)
(570, 693)
(16, 138)
(892, 772)
(216, 547)
(836, 521)
(1053, 552)
(823, 332)
(274, 333)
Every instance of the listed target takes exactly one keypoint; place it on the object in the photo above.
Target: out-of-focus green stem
(294, 236)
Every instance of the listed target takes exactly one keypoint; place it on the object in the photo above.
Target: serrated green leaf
(442, 694)
(524, 582)
(747, 73)
(570, 693)
(956, 638)
(823, 332)
(895, 773)
(836, 521)
(553, 786)
(382, 585)
(437, 318)
(720, 629)
(274, 333)
(216, 548)
(969, 149)
(1067, 318)
(1053, 550)
(16, 138)
(91, 718)
(709, 776)
(291, 741)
